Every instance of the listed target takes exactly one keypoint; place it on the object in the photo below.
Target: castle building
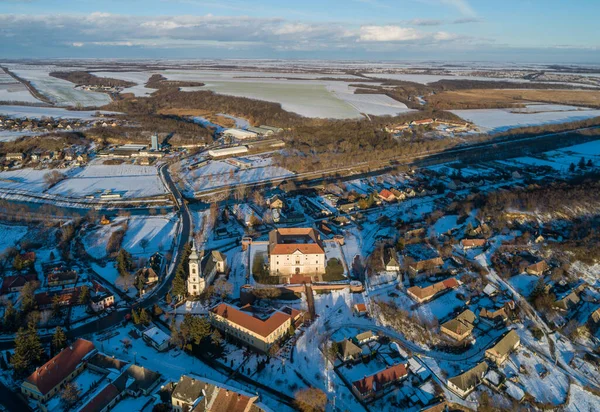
(296, 251)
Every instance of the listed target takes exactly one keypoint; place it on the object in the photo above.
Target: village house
(61, 278)
(466, 382)
(390, 260)
(365, 337)
(460, 327)
(373, 386)
(101, 298)
(348, 351)
(259, 330)
(472, 243)
(204, 269)
(495, 314)
(276, 202)
(196, 395)
(295, 251)
(15, 283)
(425, 294)
(360, 309)
(500, 351)
(421, 256)
(148, 275)
(15, 157)
(48, 379)
(386, 195)
(537, 269)
(155, 337)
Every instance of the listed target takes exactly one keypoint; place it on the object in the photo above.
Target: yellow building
(259, 330)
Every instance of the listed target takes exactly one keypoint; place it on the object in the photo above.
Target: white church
(203, 270)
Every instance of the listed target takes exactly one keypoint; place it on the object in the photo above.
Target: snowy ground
(158, 230)
(497, 120)
(30, 180)
(55, 112)
(172, 364)
(16, 92)
(10, 235)
(582, 400)
(219, 173)
(552, 388)
(128, 180)
(61, 92)
(95, 241)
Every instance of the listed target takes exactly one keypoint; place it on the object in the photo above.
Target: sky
(546, 31)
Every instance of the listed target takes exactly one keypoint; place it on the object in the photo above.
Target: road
(116, 317)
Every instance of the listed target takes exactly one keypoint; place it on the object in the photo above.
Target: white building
(239, 134)
(158, 339)
(228, 151)
(296, 251)
(203, 270)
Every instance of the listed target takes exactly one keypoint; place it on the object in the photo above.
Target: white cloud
(77, 44)
(388, 34)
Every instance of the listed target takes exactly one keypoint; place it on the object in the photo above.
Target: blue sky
(558, 31)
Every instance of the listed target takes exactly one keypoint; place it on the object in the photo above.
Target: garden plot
(498, 120)
(59, 91)
(128, 180)
(160, 232)
(10, 235)
(219, 173)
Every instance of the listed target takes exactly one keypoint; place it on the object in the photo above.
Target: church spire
(194, 254)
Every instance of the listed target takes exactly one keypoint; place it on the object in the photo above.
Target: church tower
(195, 282)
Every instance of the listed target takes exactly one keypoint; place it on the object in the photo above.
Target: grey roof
(471, 378)
(103, 361)
(144, 378)
(348, 349)
(189, 389)
(505, 345)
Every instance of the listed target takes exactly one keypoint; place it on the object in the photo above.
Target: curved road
(114, 318)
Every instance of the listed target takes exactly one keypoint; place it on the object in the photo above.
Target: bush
(334, 270)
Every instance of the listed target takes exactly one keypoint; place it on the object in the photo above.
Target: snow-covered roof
(156, 335)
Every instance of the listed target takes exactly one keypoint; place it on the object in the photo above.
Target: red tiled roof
(393, 373)
(473, 242)
(60, 366)
(386, 194)
(277, 245)
(102, 399)
(434, 289)
(244, 319)
(361, 307)
(304, 248)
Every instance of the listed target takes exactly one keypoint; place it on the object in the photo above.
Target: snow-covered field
(128, 180)
(375, 104)
(497, 120)
(56, 112)
(158, 230)
(95, 241)
(432, 78)
(16, 92)
(9, 235)
(30, 180)
(61, 92)
(220, 173)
